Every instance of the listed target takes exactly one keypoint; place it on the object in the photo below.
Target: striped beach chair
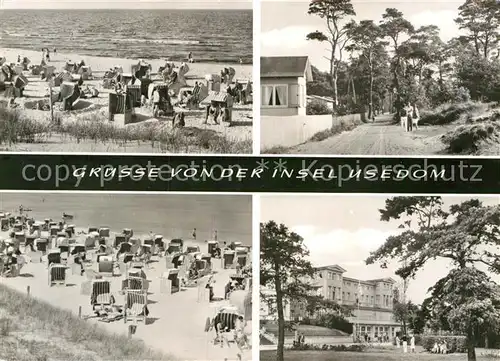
(57, 274)
(136, 306)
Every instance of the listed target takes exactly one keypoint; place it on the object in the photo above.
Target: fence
(288, 131)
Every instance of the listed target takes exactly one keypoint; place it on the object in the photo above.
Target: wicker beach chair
(57, 274)
(136, 306)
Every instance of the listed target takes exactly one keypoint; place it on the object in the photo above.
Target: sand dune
(177, 321)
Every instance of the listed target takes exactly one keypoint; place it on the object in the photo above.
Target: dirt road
(381, 137)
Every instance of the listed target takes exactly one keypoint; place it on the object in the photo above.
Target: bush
(324, 347)
(451, 112)
(317, 108)
(455, 344)
(468, 138)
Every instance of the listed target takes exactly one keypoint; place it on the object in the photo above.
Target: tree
(481, 19)
(394, 26)
(284, 268)
(479, 75)
(366, 39)
(468, 235)
(407, 313)
(421, 49)
(333, 12)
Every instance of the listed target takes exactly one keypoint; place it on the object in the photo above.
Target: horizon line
(129, 8)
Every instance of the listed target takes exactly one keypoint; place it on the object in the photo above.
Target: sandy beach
(176, 321)
(89, 110)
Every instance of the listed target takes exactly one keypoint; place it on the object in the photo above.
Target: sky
(344, 230)
(127, 4)
(286, 35)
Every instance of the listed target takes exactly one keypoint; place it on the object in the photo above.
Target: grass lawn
(365, 356)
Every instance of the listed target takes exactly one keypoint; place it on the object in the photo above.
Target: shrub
(451, 112)
(325, 347)
(316, 107)
(467, 138)
(455, 344)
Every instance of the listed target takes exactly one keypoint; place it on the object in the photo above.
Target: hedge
(310, 347)
(453, 343)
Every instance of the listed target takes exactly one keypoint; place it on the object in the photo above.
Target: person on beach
(47, 55)
(156, 102)
(190, 57)
(212, 112)
(412, 343)
(194, 233)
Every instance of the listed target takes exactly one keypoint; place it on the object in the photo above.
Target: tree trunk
(370, 106)
(354, 90)
(471, 350)
(398, 94)
(334, 75)
(335, 87)
(281, 315)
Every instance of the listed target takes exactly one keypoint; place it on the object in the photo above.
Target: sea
(171, 215)
(222, 36)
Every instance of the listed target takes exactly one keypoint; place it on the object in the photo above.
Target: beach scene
(158, 78)
(125, 277)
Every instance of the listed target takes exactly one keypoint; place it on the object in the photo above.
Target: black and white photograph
(354, 77)
(125, 277)
(379, 277)
(154, 76)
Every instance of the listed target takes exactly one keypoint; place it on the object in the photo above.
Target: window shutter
(294, 100)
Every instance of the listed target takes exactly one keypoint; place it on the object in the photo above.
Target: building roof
(355, 280)
(333, 267)
(318, 97)
(285, 66)
(370, 282)
(387, 280)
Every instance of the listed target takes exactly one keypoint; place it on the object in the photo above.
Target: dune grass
(31, 329)
(477, 124)
(468, 139)
(16, 127)
(453, 112)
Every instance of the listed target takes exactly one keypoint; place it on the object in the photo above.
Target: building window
(274, 95)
